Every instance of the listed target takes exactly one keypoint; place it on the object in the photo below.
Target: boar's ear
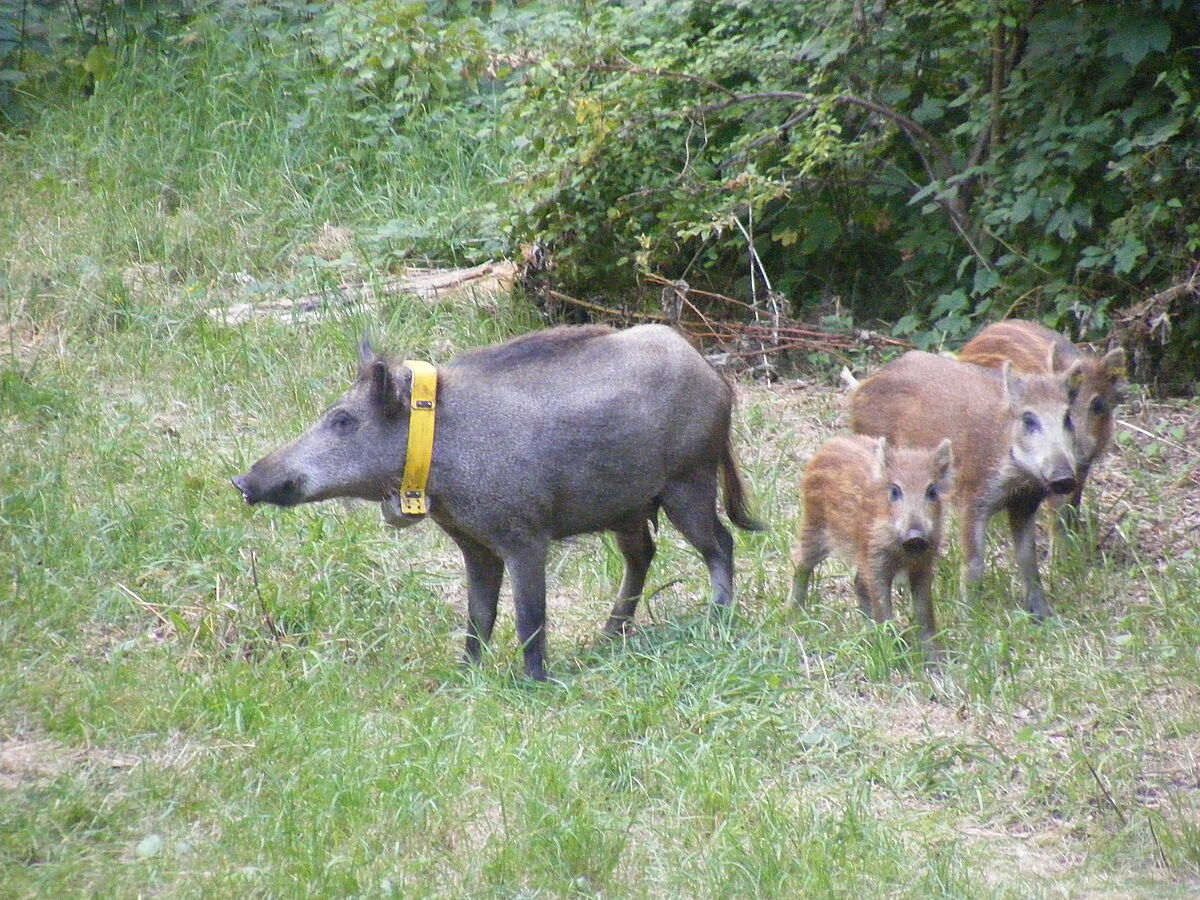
(883, 456)
(366, 353)
(1054, 359)
(388, 392)
(1113, 364)
(1073, 378)
(943, 461)
(1013, 386)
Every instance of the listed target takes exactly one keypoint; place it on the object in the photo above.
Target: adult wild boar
(559, 432)
(1012, 436)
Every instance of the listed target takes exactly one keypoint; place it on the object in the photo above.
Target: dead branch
(787, 334)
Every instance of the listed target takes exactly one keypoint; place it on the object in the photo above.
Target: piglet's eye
(1031, 423)
(1099, 407)
(895, 493)
(932, 494)
(1068, 422)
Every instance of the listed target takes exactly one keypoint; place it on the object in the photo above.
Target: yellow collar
(420, 438)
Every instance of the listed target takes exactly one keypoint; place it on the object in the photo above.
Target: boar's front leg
(920, 585)
(974, 528)
(527, 566)
(485, 571)
(1022, 518)
(637, 546)
(874, 590)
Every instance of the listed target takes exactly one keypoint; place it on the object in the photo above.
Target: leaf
(929, 110)
(955, 301)
(1022, 207)
(99, 62)
(985, 280)
(1138, 38)
(1127, 255)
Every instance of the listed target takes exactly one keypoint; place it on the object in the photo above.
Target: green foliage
(1032, 158)
(874, 161)
(396, 60)
(51, 49)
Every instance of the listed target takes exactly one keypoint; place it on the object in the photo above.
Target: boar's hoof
(622, 628)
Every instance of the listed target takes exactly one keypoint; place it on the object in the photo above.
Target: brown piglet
(1013, 442)
(879, 508)
(1034, 349)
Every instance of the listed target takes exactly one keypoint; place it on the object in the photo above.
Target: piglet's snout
(916, 541)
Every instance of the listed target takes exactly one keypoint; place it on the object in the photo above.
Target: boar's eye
(1099, 407)
(895, 493)
(932, 494)
(341, 423)
(1068, 422)
(1031, 423)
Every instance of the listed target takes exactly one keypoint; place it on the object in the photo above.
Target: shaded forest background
(919, 168)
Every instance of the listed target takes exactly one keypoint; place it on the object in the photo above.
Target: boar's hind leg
(485, 571)
(637, 546)
(691, 505)
(809, 553)
(527, 566)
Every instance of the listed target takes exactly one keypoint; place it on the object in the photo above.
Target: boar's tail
(735, 493)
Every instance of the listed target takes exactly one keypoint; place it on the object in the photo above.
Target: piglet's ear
(1014, 388)
(943, 461)
(1114, 368)
(882, 457)
(1054, 358)
(1073, 378)
(388, 393)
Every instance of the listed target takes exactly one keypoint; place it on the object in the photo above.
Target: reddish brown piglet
(879, 508)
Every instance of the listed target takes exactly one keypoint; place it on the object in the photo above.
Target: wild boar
(556, 433)
(1013, 441)
(879, 508)
(1034, 349)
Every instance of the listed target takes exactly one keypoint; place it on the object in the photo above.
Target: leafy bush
(949, 163)
(51, 50)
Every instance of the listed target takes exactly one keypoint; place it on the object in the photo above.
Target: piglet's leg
(1021, 520)
(974, 524)
(920, 580)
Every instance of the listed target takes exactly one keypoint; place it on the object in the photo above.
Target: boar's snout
(1064, 484)
(916, 541)
(284, 493)
(1062, 479)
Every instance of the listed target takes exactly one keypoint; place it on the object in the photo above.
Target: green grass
(199, 699)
